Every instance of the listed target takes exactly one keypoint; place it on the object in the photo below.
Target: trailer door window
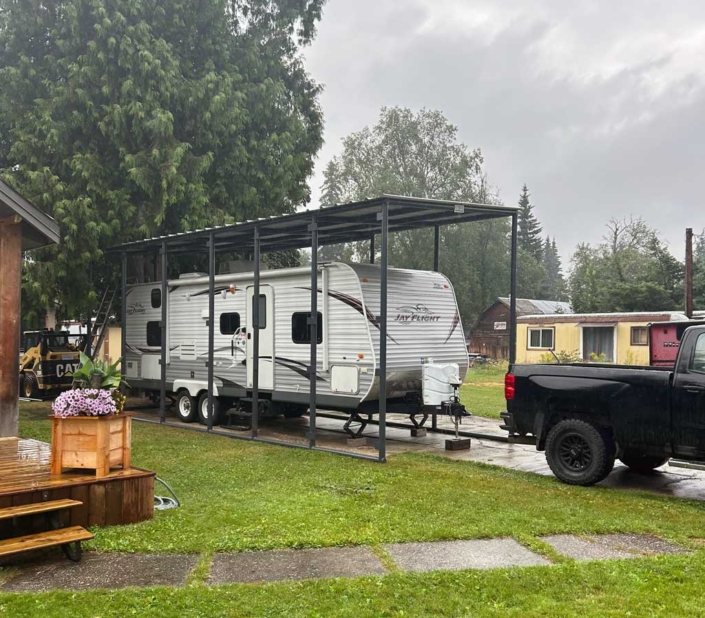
(229, 323)
(300, 329)
(262, 312)
(154, 334)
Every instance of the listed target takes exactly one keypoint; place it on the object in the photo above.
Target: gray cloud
(595, 105)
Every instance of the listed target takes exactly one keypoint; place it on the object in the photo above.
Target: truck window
(698, 362)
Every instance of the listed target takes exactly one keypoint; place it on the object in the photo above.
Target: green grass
(483, 391)
(244, 496)
(669, 586)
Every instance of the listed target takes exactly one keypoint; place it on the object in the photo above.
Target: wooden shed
(22, 227)
(490, 333)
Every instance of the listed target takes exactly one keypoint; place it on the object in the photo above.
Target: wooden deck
(121, 497)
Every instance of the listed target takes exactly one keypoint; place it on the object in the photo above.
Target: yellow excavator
(48, 361)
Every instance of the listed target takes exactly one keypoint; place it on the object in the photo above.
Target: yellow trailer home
(621, 338)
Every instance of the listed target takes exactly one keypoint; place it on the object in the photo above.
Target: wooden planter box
(91, 442)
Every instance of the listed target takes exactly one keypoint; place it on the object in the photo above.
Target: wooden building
(22, 227)
(490, 334)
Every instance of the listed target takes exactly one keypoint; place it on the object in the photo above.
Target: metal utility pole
(689, 272)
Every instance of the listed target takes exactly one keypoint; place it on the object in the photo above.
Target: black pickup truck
(587, 415)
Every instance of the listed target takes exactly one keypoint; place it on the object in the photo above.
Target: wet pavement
(667, 480)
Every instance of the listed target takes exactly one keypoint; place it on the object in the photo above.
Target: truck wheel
(186, 409)
(579, 453)
(203, 409)
(640, 463)
(29, 387)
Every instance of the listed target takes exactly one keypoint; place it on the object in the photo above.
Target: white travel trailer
(423, 327)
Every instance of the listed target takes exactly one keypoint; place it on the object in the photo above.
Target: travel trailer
(424, 330)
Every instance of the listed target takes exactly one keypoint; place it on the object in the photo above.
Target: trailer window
(640, 335)
(300, 329)
(541, 338)
(156, 298)
(154, 334)
(229, 323)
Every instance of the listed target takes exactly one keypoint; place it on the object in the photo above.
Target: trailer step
(63, 536)
(37, 507)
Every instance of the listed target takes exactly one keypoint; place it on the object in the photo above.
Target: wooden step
(44, 539)
(37, 507)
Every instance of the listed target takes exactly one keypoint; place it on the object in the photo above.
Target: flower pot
(91, 442)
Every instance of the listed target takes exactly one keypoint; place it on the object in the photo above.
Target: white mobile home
(423, 325)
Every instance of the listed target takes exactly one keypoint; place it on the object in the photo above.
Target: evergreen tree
(529, 227)
(131, 118)
(554, 287)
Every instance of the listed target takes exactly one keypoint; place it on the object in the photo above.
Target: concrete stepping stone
(610, 546)
(110, 570)
(458, 555)
(294, 564)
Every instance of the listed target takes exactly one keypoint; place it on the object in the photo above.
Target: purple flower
(84, 402)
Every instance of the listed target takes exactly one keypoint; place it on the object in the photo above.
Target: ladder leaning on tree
(99, 327)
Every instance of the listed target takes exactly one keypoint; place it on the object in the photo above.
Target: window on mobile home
(540, 338)
(229, 323)
(154, 334)
(640, 335)
(300, 329)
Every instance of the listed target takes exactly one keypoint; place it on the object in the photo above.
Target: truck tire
(186, 409)
(640, 463)
(203, 409)
(579, 453)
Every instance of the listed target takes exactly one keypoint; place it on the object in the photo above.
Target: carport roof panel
(336, 224)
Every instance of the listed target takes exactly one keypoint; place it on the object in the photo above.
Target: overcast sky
(597, 105)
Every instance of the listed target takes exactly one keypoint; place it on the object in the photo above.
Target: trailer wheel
(29, 386)
(579, 453)
(640, 463)
(293, 410)
(186, 408)
(203, 409)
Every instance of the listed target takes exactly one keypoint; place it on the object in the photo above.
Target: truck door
(266, 336)
(688, 400)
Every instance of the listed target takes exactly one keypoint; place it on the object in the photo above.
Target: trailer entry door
(266, 336)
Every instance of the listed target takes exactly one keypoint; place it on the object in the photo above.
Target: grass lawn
(243, 496)
(483, 391)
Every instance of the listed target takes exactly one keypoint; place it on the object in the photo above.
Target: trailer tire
(640, 463)
(186, 409)
(29, 386)
(579, 453)
(203, 409)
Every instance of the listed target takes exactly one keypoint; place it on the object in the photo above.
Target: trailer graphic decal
(453, 326)
(295, 366)
(415, 313)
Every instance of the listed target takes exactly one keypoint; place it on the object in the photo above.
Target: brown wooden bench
(63, 537)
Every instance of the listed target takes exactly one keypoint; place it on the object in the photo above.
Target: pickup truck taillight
(509, 383)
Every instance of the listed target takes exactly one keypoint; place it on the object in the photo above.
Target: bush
(562, 357)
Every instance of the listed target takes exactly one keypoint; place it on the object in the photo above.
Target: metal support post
(513, 293)
(255, 338)
(436, 247)
(211, 326)
(123, 320)
(313, 333)
(163, 333)
(382, 447)
(372, 249)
